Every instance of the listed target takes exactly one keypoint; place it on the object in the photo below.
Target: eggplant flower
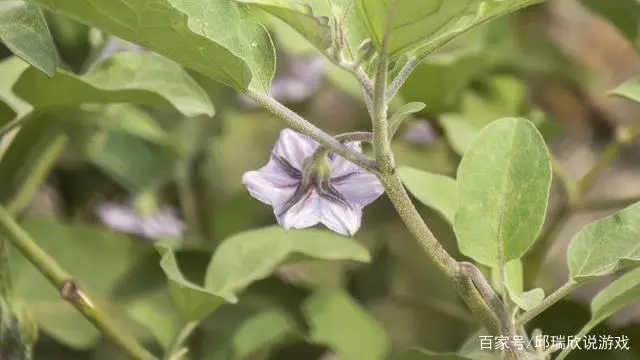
(306, 188)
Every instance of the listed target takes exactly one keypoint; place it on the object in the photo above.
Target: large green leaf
(24, 31)
(623, 14)
(426, 25)
(503, 188)
(250, 256)
(98, 260)
(418, 354)
(436, 191)
(338, 322)
(254, 255)
(219, 38)
(605, 245)
(143, 78)
(304, 18)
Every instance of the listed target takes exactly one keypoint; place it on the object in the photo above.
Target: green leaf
(403, 113)
(10, 70)
(462, 128)
(514, 275)
(338, 322)
(97, 259)
(130, 160)
(436, 191)
(142, 78)
(272, 326)
(219, 38)
(605, 245)
(619, 294)
(441, 79)
(250, 256)
(503, 188)
(425, 25)
(30, 157)
(527, 300)
(6, 113)
(154, 312)
(304, 18)
(419, 354)
(192, 301)
(24, 31)
(254, 255)
(630, 89)
(623, 14)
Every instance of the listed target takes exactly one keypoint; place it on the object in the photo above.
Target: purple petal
(340, 219)
(294, 147)
(341, 167)
(118, 217)
(270, 184)
(305, 213)
(361, 188)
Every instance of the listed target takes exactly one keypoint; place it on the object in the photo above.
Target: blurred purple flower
(163, 224)
(303, 195)
(299, 82)
(420, 132)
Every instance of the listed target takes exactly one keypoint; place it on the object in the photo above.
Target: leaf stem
(69, 289)
(556, 296)
(401, 78)
(296, 122)
(175, 347)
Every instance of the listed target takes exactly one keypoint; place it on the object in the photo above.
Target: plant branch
(400, 79)
(296, 122)
(69, 289)
(381, 142)
(355, 136)
(553, 298)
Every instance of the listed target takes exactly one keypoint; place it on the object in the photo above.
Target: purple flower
(163, 224)
(420, 132)
(305, 190)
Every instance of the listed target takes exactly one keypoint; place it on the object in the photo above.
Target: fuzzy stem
(381, 142)
(296, 122)
(69, 289)
(556, 296)
(400, 79)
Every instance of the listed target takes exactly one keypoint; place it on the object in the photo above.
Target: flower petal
(294, 147)
(342, 167)
(305, 213)
(360, 189)
(270, 184)
(341, 219)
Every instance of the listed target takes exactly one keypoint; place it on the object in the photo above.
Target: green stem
(556, 296)
(5, 270)
(582, 333)
(400, 79)
(605, 159)
(69, 289)
(381, 141)
(297, 123)
(175, 347)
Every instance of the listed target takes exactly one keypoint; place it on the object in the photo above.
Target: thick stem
(476, 297)
(296, 122)
(381, 141)
(69, 289)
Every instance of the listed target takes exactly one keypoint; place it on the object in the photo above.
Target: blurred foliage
(133, 127)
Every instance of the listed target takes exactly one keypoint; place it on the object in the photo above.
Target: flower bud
(366, 50)
(18, 331)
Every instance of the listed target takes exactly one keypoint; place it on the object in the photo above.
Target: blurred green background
(552, 64)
